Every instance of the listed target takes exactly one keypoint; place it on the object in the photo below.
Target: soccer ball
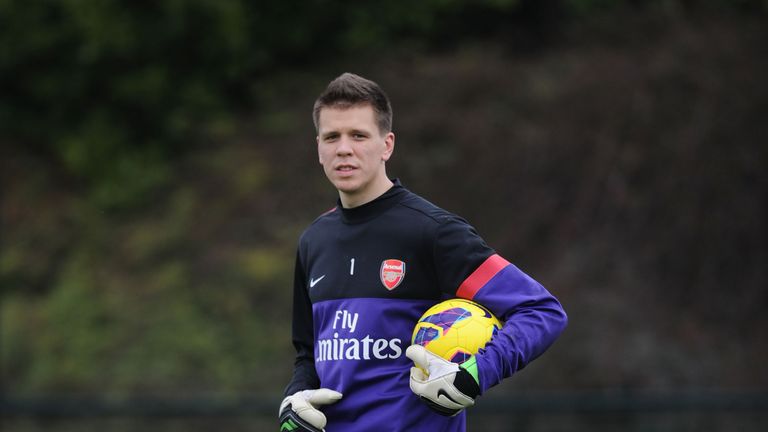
(455, 329)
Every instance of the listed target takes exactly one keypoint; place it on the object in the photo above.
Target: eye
(331, 138)
(359, 136)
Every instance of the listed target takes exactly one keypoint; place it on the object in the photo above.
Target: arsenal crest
(392, 273)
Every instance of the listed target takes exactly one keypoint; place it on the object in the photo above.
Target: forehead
(361, 116)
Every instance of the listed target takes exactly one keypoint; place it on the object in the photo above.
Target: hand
(446, 387)
(299, 411)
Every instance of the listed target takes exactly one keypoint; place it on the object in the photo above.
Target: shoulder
(448, 228)
(320, 224)
(420, 207)
(443, 221)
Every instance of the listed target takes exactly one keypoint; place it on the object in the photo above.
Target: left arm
(532, 316)
(466, 267)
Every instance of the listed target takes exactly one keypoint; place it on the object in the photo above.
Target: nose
(345, 147)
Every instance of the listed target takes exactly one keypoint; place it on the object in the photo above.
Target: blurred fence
(538, 411)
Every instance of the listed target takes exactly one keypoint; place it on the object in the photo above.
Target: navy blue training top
(365, 275)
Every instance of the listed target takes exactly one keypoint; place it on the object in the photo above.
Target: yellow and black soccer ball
(455, 329)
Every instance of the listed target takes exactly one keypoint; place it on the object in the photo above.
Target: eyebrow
(333, 133)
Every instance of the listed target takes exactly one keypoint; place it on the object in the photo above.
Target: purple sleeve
(532, 318)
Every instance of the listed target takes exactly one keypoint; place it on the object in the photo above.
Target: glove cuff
(290, 421)
(471, 367)
(467, 378)
(466, 384)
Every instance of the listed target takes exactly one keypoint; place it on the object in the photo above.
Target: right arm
(299, 410)
(304, 373)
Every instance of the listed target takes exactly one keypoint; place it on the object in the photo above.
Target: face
(353, 153)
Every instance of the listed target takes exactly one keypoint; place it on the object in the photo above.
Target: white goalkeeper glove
(299, 412)
(446, 387)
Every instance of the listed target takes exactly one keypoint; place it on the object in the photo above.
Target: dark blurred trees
(150, 201)
(111, 89)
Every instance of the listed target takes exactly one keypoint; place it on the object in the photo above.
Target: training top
(363, 278)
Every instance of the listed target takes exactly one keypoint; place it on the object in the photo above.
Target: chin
(349, 190)
(346, 186)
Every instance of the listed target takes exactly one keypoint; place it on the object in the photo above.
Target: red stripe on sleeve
(487, 270)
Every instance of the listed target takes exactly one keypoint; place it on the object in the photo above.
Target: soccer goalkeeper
(365, 272)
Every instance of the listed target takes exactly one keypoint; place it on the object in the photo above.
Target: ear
(389, 143)
(319, 155)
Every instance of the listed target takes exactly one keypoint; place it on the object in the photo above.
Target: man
(352, 324)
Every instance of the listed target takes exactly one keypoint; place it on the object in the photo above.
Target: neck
(375, 190)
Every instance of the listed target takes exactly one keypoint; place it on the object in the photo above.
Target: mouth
(345, 168)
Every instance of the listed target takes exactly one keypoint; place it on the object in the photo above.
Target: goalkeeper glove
(298, 412)
(446, 387)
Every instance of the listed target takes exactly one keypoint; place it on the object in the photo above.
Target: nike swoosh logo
(444, 393)
(313, 282)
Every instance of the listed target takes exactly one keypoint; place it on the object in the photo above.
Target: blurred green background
(158, 163)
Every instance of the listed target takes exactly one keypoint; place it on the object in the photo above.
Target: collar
(373, 208)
